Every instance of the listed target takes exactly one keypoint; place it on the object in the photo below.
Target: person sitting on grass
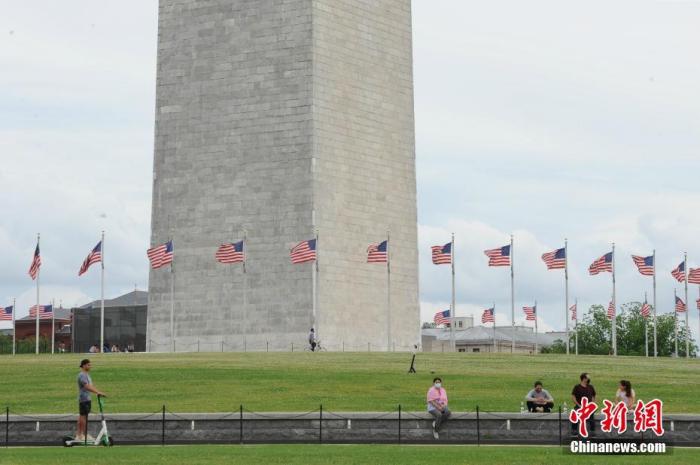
(539, 399)
(437, 406)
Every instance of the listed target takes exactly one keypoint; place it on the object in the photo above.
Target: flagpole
(495, 348)
(576, 304)
(53, 324)
(14, 328)
(675, 322)
(614, 302)
(536, 345)
(512, 295)
(172, 300)
(315, 285)
(454, 310)
(102, 290)
(656, 352)
(687, 307)
(566, 293)
(646, 332)
(36, 314)
(245, 290)
(388, 294)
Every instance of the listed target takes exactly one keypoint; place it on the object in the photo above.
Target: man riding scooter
(85, 387)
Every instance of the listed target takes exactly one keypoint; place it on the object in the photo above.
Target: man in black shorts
(85, 387)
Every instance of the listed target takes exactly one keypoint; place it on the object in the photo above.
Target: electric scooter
(102, 439)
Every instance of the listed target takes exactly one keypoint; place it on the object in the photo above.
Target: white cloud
(545, 119)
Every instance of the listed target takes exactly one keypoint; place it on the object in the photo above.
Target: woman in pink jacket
(437, 406)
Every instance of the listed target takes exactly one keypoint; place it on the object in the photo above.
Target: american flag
(45, 311)
(645, 265)
(555, 260)
(36, 263)
(611, 310)
(231, 252)
(442, 254)
(93, 257)
(488, 316)
(161, 255)
(442, 318)
(693, 275)
(303, 252)
(646, 310)
(679, 272)
(6, 313)
(530, 313)
(377, 253)
(604, 263)
(499, 256)
(680, 305)
(573, 312)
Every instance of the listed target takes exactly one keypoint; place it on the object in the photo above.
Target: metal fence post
(399, 423)
(7, 426)
(162, 437)
(560, 439)
(222, 345)
(320, 424)
(240, 425)
(267, 346)
(292, 347)
(198, 345)
(368, 347)
(478, 429)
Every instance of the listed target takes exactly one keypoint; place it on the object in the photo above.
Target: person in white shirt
(625, 394)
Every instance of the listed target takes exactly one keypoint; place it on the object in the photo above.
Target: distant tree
(428, 325)
(594, 332)
(557, 347)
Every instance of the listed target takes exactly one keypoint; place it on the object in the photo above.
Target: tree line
(594, 333)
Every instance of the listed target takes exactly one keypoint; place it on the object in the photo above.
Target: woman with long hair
(626, 394)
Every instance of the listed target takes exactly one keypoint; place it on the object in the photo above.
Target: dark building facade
(125, 323)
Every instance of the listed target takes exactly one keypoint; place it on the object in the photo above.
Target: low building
(25, 328)
(125, 323)
(481, 339)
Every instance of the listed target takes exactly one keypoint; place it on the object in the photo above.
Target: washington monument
(277, 121)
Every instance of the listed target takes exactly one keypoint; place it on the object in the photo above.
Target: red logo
(581, 415)
(649, 417)
(614, 417)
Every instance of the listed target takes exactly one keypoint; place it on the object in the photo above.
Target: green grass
(327, 455)
(219, 382)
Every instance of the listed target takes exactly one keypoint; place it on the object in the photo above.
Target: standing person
(539, 398)
(437, 406)
(85, 387)
(312, 339)
(625, 394)
(581, 390)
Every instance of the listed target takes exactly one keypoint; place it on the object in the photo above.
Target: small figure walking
(312, 339)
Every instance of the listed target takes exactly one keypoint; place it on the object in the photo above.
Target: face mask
(438, 385)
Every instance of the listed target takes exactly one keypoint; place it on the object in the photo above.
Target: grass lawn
(326, 455)
(219, 382)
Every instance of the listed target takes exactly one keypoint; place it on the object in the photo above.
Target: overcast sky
(542, 119)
